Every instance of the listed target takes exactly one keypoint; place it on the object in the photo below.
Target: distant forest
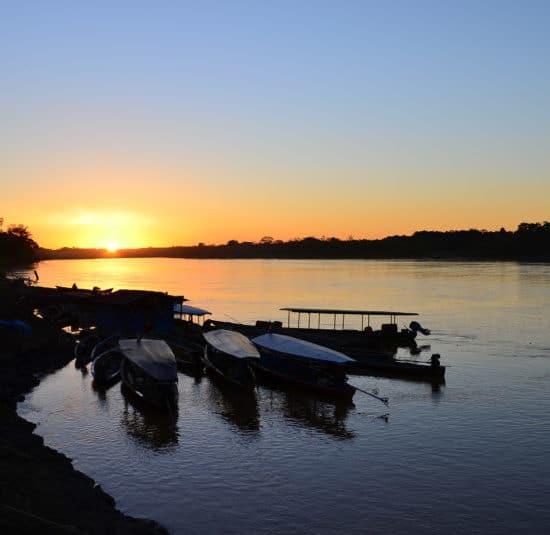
(530, 242)
(16, 245)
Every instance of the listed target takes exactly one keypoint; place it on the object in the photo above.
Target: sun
(111, 247)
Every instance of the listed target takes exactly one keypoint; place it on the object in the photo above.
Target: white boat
(229, 354)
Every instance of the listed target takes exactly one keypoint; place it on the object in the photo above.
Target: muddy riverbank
(40, 491)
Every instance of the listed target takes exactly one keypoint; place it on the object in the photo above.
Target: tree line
(17, 245)
(530, 241)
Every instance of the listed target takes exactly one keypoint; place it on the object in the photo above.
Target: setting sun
(112, 247)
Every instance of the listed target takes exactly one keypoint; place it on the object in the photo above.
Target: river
(469, 457)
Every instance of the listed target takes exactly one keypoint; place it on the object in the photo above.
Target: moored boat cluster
(245, 355)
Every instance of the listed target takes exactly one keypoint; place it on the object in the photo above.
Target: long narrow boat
(390, 367)
(303, 363)
(84, 347)
(353, 341)
(229, 354)
(149, 369)
(105, 367)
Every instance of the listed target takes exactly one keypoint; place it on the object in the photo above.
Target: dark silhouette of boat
(107, 358)
(84, 346)
(305, 364)
(390, 367)
(229, 354)
(188, 354)
(149, 370)
(352, 342)
(74, 289)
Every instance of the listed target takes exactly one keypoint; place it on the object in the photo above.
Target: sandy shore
(40, 491)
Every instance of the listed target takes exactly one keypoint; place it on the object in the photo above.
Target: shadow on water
(151, 426)
(309, 409)
(236, 405)
(100, 390)
(195, 373)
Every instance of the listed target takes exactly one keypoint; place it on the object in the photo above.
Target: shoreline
(41, 491)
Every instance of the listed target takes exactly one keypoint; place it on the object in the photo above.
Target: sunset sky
(130, 124)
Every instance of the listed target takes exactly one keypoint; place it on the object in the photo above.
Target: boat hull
(387, 367)
(236, 371)
(105, 368)
(158, 393)
(325, 380)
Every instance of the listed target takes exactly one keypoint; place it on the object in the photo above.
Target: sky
(134, 124)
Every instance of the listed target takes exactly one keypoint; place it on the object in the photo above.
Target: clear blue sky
(439, 111)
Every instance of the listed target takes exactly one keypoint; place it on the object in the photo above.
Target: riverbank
(40, 491)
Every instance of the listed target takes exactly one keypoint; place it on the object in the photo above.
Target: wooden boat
(84, 291)
(390, 367)
(105, 367)
(352, 342)
(188, 354)
(303, 363)
(149, 369)
(84, 347)
(229, 354)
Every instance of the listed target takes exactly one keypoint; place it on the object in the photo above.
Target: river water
(469, 457)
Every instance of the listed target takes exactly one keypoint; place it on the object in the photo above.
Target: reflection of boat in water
(351, 341)
(149, 369)
(153, 428)
(230, 354)
(305, 364)
(105, 367)
(308, 409)
(237, 406)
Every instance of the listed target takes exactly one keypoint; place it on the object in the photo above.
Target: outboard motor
(416, 327)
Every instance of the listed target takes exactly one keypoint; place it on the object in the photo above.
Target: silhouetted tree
(17, 245)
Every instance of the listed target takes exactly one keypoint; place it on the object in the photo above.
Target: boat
(84, 291)
(149, 369)
(304, 363)
(188, 354)
(433, 371)
(84, 346)
(229, 354)
(105, 368)
(106, 359)
(351, 341)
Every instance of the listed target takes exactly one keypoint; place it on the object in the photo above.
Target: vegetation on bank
(530, 241)
(16, 245)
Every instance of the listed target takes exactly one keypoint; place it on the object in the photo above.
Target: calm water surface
(471, 457)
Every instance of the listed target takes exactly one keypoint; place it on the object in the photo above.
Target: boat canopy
(336, 312)
(191, 311)
(300, 348)
(232, 343)
(154, 357)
